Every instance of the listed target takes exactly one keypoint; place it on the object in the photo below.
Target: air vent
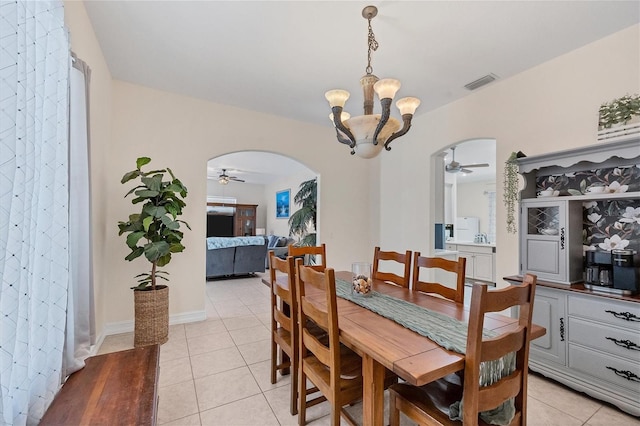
(481, 82)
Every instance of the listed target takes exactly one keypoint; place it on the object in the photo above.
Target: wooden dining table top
(382, 342)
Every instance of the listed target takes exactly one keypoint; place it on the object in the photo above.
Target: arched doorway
(266, 182)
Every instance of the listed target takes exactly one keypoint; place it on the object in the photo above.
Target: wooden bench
(119, 388)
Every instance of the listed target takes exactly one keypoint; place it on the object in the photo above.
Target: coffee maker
(625, 274)
(599, 269)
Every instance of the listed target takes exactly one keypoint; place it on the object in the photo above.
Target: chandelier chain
(373, 46)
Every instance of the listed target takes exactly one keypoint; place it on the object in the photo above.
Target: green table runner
(447, 332)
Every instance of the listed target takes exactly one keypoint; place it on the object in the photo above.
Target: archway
(261, 179)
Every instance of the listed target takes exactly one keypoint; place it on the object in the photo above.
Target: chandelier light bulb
(386, 88)
(344, 116)
(337, 97)
(408, 105)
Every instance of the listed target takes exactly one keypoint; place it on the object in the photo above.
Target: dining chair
(430, 404)
(405, 259)
(456, 267)
(310, 251)
(284, 334)
(333, 368)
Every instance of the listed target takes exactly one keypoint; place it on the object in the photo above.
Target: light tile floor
(216, 372)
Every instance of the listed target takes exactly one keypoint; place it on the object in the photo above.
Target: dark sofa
(235, 256)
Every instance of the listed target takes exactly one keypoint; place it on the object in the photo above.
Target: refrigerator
(466, 228)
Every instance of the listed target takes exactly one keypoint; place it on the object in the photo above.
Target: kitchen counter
(444, 253)
(470, 243)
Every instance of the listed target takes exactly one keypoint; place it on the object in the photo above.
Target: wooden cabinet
(592, 342)
(245, 220)
(551, 239)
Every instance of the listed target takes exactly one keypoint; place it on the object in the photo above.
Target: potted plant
(511, 193)
(619, 111)
(153, 231)
(303, 219)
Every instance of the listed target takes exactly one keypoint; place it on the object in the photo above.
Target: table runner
(447, 332)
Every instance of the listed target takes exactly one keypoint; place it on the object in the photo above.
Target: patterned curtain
(34, 237)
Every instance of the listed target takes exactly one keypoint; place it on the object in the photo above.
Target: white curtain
(80, 331)
(34, 235)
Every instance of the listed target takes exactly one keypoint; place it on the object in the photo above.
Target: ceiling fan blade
(475, 165)
(235, 179)
(466, 170)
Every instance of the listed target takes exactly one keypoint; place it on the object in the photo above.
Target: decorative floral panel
(610, 225)
(605, 180)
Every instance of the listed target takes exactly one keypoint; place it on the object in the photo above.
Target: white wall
(551, 107)
(276, 226)
(473, 202)
(244, 193)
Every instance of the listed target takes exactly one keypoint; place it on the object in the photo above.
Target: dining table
(385, 344)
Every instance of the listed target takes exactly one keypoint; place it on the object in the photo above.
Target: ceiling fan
(455, 167)
(224, 178)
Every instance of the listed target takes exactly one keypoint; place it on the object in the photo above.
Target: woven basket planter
(151, 316)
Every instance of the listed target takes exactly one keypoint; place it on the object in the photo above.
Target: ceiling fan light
(387, 88)
(408, 105)
(337, 97)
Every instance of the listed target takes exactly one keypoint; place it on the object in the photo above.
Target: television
(219, 225)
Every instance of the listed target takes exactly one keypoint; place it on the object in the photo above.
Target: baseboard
(128, 326)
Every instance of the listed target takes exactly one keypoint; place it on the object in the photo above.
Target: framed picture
(282, 204)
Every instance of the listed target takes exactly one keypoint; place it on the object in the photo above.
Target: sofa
(231, 256)
(279, 245)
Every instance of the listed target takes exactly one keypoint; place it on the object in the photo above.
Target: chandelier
(367, 134)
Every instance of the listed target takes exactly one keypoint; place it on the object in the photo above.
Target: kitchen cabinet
(480, 260)
(592, 342)
(551, 239)
(549, 312)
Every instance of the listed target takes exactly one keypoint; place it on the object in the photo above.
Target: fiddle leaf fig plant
(154, 230)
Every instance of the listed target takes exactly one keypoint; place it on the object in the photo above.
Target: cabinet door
(470, 263)
(245, 221)
(549, 312)
(544, 250)
(483, 267)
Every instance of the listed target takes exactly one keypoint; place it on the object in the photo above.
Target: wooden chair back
(284, 332)
(456, 267)
(335, 370)
(324, 314)
(475, 398)
(308, 252)
(404, 259)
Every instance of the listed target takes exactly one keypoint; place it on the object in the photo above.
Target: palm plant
(304, 219)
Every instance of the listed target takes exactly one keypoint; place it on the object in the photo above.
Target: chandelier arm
(337, 120)
(406, 119)
(384, 118)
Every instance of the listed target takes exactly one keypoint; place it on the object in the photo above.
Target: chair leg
(294, 387)
(302, 397)
(394, 413)
(274, 360)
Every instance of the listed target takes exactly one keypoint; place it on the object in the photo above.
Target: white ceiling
(257, 167)
(279, 57)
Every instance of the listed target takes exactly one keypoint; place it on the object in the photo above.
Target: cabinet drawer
(608, 339)
(476, 249)
(599, 309)
(614, 370)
